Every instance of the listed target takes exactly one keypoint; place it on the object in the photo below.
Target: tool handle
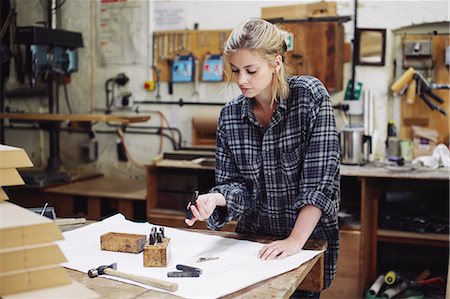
(153, 282)
(436, 97)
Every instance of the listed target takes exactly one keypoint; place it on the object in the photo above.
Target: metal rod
(180, 103)
(354, 57)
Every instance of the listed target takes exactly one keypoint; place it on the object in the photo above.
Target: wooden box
(123, 242)
(300, 11)
(157, 255)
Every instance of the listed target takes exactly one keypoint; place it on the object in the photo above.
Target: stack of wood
(10, 159)
(29, 257)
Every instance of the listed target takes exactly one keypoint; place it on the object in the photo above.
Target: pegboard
(418, 113)
(168, 44)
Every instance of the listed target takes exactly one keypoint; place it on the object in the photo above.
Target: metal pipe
(180, 103)
(354, 57)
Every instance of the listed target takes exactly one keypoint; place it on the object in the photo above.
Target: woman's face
(253, 74)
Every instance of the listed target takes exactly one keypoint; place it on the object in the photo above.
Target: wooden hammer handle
(153, 282)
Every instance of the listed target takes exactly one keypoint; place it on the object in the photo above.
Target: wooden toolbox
(123, 242)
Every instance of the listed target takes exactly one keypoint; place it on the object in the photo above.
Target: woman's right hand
(205, 206)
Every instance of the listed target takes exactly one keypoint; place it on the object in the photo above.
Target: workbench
(308, 276)
(362, 187)
(88, 197)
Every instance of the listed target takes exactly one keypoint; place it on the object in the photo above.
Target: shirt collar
(247, 107)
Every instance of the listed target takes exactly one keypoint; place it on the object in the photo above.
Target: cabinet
(172, 178)
(365, 192)
(318, 50)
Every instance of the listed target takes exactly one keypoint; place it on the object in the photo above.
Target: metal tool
(112, 270)
(185, 271)
(425, 91)
(193, 201)
(156, 236)
(196, 74)
(205, 259)
(189, 268)
(182, 274)
(170, 80)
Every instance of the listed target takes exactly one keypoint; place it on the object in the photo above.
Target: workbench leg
(126, 208)
(94, 208)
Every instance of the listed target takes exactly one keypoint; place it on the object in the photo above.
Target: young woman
(278, 151)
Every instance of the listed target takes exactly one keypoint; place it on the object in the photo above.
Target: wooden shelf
(395, 236)
(122, 119)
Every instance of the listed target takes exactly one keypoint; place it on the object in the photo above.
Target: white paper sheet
(237, 267)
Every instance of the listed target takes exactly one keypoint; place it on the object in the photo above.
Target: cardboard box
(300, 11)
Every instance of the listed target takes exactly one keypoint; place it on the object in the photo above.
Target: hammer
(112, 270)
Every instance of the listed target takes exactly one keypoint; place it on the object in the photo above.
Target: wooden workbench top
(113, 187)
(122, 119)
(368, 170)
(280, 286)
(372, 170)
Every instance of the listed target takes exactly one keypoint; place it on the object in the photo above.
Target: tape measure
(390, 278)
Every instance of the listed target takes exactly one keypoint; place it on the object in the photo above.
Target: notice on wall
(169, 15)
(122, 29)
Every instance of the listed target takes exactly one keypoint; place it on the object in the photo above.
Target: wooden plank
(13, 157)
(300, 11)
(10, 177)
(31, 256)
(106, 187)
(75, 289)
(122, 119)
(20, 227)
(32, 279)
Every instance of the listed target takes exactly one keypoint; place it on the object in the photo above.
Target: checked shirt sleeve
(229, 183)
(320, 177)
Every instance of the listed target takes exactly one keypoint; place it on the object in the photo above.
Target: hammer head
(101, 270)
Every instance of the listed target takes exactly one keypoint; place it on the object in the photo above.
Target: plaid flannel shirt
(268, 175)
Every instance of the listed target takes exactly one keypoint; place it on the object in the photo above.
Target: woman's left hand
(280, 249)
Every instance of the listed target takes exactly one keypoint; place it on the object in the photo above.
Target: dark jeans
(305, 295)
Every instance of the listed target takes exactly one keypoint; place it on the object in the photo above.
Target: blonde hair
(266, 40)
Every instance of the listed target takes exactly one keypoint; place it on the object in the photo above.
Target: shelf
(394, 236)
(50, 117)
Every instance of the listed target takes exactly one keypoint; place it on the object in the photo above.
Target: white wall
(86, 90)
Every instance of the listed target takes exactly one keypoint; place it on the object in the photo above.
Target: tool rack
(168, 44)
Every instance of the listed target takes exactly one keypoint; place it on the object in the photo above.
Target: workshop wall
(86, 90)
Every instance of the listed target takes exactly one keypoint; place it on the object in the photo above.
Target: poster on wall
(121, 32)
(168, 15)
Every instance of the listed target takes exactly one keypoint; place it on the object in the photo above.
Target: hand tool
(112, 270)
(185, 271)
(170, 79)
(189, 269)
(182, 274)
(192, 202)
(205, 259)
(196, 74)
